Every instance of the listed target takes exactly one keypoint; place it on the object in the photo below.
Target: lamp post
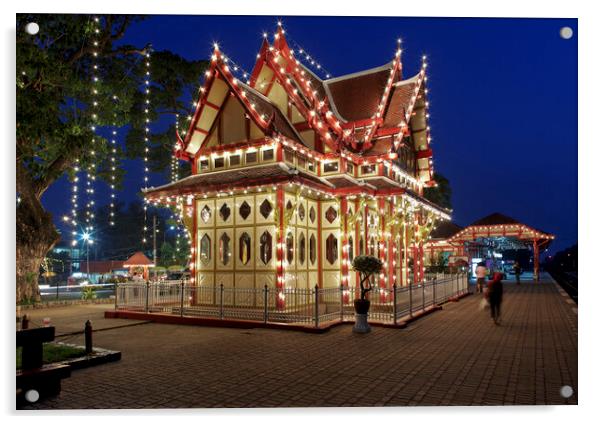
(88, 240)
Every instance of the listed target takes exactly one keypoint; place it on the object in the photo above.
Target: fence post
(423, 284)
(265, 304)
(394, 304)
(457, 285)
(342, 288)
(410, 291)
(434, 291)
(115, 295)
(221, 301)
(316, 306)
(182, 297)
(146, 300)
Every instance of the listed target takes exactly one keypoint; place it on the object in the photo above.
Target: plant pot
(361, 306)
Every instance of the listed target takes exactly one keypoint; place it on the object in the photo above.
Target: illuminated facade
(293, 176)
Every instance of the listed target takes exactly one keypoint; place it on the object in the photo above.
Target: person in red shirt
(494, 294)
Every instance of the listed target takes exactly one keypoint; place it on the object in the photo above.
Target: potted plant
(367, 266)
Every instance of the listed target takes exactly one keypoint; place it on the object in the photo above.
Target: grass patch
(55, 353)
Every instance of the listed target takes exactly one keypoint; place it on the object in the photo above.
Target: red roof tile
(357, 96)
(235, 178)
(399, 101)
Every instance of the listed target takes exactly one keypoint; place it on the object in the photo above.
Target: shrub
(366, 266)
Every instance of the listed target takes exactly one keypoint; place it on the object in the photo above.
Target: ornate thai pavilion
(293, 175)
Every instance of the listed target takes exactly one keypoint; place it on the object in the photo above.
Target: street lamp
(88, 240)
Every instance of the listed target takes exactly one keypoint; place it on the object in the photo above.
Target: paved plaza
(455, 356)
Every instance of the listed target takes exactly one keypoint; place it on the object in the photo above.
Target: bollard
(146, 299)
(221, 301)
(88, 337)
(316, 306)
(394, 304)
(182, 298)
(24, 322)
(265, 304)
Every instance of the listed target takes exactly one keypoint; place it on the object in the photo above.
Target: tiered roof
(361, 115)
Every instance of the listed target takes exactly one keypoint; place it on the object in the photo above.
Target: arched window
(224, 249)
(290, 246)
(205, 249)
(312, 249)
(265, 247)
(332, 249)
(244, 248)
(302, 248)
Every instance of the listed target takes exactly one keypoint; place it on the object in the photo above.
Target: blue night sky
(502, 93)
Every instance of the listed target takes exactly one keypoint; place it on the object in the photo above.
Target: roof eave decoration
(427, 153)
(520, 231)
(219, 69)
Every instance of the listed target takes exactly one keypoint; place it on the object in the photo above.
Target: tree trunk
(36, 235)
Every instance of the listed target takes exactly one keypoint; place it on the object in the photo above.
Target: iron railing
(308, 307)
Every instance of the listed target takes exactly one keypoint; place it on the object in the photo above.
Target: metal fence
(309, 307)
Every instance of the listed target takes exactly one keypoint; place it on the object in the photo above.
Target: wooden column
(382, 245)
(320, 269)
(344, 244)
(280, 251)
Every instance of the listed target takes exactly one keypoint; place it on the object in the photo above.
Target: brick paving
(452, 357)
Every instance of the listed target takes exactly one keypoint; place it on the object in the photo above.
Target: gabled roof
(356, 96)
(400, 101)
(138, 259)
(350, 113)
(445, 230)
(495, 219)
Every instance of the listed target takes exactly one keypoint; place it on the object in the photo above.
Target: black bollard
(24, 322)
(88, 336)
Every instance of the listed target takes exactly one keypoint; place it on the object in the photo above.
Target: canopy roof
(498, 225)
(138, 259)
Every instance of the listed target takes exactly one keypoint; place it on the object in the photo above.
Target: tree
(57, 110)
(441, 193)
(367, 266)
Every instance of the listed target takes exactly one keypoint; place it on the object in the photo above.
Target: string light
(91, 168)
(146, 107)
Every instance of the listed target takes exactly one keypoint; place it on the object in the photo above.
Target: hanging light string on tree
(146, 108)
(91, 168)
(112, 168)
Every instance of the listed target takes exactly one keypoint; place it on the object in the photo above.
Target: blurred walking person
(494, 294)
(517, 271)
(481, 273)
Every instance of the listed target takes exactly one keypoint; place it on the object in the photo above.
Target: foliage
(88, 292)
(57, 111)
(367, 266)
(54, 352)
(441, 194)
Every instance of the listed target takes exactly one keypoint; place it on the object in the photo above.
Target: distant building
(100, 271)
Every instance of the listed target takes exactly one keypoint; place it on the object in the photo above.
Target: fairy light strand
(146, 106)
(91, 168)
